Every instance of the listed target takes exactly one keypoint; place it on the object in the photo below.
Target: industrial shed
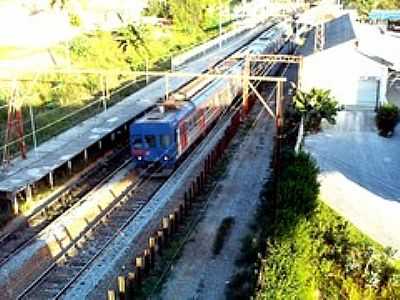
(355, 79)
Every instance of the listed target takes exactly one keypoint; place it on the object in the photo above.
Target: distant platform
(61, 149)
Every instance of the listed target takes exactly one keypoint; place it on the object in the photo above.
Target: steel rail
(125, 196)
(54, 200)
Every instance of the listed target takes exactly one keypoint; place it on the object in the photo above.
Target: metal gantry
(246, 77)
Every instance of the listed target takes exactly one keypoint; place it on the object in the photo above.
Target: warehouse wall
(341, 70)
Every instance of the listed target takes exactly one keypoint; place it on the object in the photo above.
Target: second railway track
(13, 242)
(74, 260)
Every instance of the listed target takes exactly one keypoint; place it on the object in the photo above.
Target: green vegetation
(386, 119)
(60, 101)
(316, 105)
(365, 6)
(300, 249)
(223, 233)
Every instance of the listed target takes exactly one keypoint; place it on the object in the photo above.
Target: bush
(386, 119)
(316, 105)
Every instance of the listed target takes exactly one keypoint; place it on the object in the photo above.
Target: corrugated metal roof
(386, 15)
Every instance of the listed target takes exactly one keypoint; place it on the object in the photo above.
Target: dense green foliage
(316, 105)
(365, 6)
(386, 119)
(300, 249)
(188, 15)
(133, 47)
(324, 257)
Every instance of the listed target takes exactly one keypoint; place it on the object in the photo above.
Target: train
(164, 135)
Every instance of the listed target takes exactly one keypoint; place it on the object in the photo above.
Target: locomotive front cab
(153, 145)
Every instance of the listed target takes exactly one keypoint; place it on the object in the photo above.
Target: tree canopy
(188, 15)
(365, 6)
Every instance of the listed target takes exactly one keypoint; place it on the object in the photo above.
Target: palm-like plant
(316, 105)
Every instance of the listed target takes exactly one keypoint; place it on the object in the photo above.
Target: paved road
(359, 174)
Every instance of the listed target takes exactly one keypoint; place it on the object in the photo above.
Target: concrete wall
(340, 70)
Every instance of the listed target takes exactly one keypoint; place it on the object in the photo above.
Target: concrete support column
(85, 155)
(111, 295)
(51, 180)
(14, 204)
(121, 287)
(28, 193)
(69, 165)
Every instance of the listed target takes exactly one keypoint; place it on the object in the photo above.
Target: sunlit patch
(387, 159)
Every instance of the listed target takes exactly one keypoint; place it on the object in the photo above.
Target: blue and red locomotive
(165, 134)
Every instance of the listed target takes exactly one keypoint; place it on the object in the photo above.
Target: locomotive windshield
(165, 141)
(137, 142)
(150, 141)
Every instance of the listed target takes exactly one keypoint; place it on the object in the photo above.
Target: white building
(353, 78)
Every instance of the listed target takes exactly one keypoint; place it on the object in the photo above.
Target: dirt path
(198, 274)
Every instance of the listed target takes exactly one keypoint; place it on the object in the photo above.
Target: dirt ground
(199, 274)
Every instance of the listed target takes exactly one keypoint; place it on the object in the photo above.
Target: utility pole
(220, 23)
(15, 126)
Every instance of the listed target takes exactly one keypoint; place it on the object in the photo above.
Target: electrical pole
(220, 24)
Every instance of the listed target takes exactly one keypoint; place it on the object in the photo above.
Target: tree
(365, 6)
(316, 105)
(386, 119)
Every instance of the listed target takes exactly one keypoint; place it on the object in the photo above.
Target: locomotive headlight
(139, 158)
(166, 157)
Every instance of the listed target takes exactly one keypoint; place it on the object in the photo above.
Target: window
(150, 141)
(165, 141)
(137, 142)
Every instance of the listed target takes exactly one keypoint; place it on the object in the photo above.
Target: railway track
(72, 262)
(64, 272)
(15, 241)
(67, 266)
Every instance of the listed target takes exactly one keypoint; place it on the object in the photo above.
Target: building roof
(384, 15)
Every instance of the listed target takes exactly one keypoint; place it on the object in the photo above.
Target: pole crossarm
(274, 58)
(155, 74)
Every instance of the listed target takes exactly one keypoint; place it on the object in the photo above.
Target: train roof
(165, 114)
(173, 115)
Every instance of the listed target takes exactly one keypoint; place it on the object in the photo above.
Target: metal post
(300, 74)
(51, 180)
(278, 141)
(147, 71)
(246, 85)
(28, 192)
(220, 24)
(14, 204)
(85, 155)
(33, 127)
(104, 87)
(166, 86)
(69, 164)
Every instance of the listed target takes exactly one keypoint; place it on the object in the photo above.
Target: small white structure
(355, 80)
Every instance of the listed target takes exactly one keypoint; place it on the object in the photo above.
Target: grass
(222, 235)
(55, 96)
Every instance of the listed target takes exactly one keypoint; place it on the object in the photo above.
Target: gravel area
(198, 274)
(359, 174)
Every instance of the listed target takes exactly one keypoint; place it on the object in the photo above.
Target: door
(368, 92)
